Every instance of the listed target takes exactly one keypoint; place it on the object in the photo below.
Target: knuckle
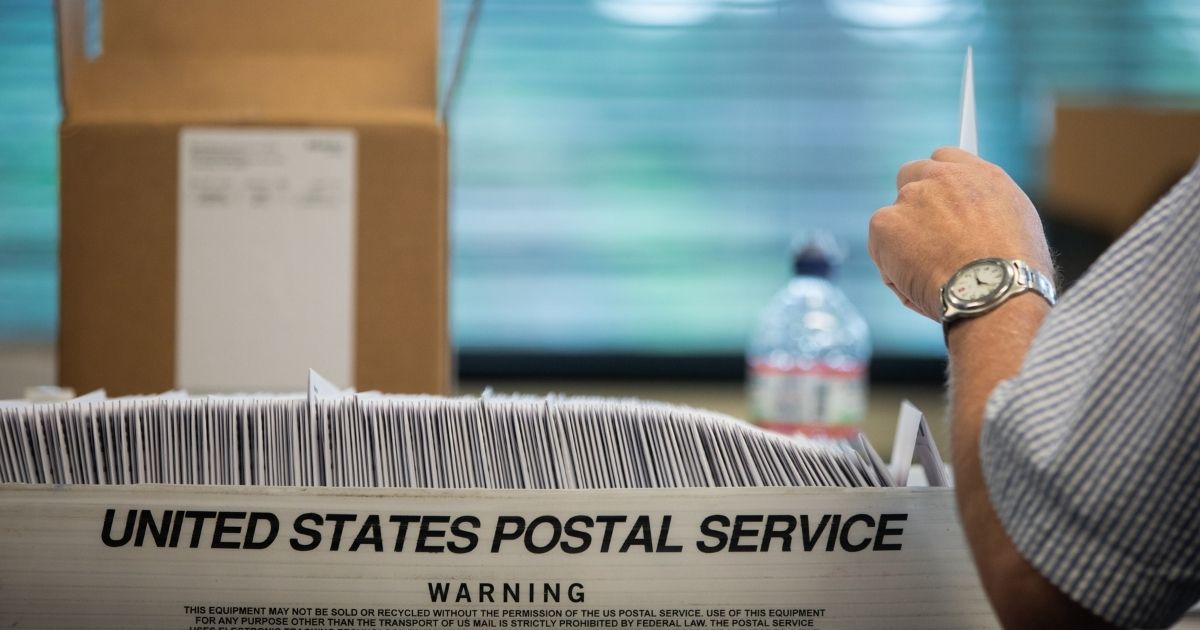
(942, 153)
(880, 220)
(906, 172)
(908, 192)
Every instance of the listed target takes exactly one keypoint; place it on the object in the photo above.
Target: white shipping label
(176, 558)
(265, 284)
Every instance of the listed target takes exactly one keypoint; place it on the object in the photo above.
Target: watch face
(977, 283)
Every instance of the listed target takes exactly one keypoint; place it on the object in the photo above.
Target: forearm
(983, 352)
(952, 211)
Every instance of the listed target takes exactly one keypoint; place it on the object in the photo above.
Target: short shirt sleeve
(1091, 453)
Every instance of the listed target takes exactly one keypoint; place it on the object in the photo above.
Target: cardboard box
(250, 188)
(1108, 163)
(173, 557)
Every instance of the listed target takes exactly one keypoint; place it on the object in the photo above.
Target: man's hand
(950, 210)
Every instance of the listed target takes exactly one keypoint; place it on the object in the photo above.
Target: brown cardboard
(256, 59)
(1109, 163)
(369, 66)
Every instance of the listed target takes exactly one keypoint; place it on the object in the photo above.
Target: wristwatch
(982, 285)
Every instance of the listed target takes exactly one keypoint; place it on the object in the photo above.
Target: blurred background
(627, 174)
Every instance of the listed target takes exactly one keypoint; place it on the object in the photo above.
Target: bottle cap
(815, 254)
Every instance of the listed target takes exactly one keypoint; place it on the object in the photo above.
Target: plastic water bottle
(807, 360)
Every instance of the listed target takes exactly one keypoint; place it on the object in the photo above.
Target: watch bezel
(967, 307)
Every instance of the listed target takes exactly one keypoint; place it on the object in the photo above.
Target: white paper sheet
(266, 257)
(968, 139)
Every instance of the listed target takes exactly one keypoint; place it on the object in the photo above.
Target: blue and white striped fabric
(1092, 453)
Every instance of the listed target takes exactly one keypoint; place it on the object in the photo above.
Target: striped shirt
(1092, 452)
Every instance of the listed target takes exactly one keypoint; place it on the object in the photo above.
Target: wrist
(1016, 315)
(982, 285)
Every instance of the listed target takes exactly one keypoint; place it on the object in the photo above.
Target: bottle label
(816, 400)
